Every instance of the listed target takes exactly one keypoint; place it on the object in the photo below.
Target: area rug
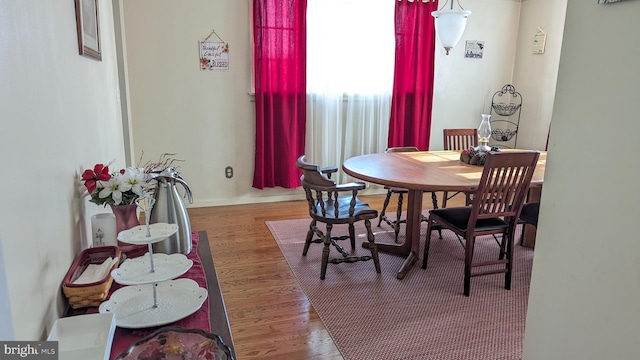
(423, 316)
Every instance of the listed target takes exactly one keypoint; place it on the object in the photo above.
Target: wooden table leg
(529, 236)
(414, 219)
(411, 245)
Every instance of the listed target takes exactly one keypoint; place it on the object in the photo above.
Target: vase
(126, 218)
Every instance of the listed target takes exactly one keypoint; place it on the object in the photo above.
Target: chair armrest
(351, 186)
(329, 170)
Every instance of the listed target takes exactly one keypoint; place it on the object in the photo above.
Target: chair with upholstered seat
(496, 206)
(458, 139)
(334, 204)
(395, 223)
(529, 215)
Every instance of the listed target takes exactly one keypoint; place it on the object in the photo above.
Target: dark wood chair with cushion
(333, 204)
(395, 223)
(495, 210)
(458, 139)
(529, 215)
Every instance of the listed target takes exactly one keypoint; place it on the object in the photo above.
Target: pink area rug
(423, 316)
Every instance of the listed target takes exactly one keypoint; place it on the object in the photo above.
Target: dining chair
(458, 139)
(529, 215)
(335, 204)
(530, 210)
(395, 223)
(495, 210)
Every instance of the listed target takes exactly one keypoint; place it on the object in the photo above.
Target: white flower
(123, 186)
(135, 178)
(114, 188)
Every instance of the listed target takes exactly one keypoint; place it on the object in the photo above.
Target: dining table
(419, 172)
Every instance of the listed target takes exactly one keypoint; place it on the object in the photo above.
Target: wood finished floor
(269, 314)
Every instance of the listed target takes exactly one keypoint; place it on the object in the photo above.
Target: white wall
(6, 331)
(535, 75)
(463, 86)
(207, 117)
(58, 115)
(585, 286)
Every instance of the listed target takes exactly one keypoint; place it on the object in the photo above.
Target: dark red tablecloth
(123, 338)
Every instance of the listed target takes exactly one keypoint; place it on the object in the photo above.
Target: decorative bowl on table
(176, 343)
(477, 156)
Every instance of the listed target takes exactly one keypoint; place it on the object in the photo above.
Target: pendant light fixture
(450, 25)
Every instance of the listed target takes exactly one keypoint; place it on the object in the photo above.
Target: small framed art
(87, 22)
(474, 49)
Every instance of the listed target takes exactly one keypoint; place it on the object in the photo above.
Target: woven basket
(92, 294)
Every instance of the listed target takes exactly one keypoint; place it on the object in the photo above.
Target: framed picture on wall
(87, 22)
(474, 49)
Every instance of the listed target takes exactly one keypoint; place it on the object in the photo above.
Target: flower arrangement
(124, 186)
(120, 187)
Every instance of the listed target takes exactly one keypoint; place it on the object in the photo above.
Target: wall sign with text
(214, 55)
(539, 41)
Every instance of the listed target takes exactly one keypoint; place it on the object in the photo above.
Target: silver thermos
(169, 208)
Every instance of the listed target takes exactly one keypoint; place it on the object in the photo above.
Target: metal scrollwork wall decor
(507, 105)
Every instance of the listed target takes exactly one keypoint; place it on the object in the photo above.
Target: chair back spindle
(503, 185)
(460, 139)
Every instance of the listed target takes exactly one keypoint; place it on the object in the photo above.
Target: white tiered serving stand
(152, 297)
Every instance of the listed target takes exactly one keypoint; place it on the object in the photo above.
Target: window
(350, 61)
(350, 46)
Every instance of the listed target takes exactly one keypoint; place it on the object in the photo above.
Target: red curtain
(410, 123)
(280, 90)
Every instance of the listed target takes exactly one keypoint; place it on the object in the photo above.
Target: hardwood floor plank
(269, 314)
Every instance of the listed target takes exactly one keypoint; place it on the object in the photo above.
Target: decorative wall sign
(87, 24)
(214, 55)
(474, 49)
(539, 40)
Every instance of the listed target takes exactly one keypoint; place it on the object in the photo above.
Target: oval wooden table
(419, 172)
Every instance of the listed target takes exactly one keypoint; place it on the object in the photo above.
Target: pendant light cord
(446, 2)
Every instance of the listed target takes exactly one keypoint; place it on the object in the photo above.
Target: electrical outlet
(228, 172)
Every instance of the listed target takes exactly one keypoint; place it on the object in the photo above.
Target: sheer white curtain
(350, 57)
